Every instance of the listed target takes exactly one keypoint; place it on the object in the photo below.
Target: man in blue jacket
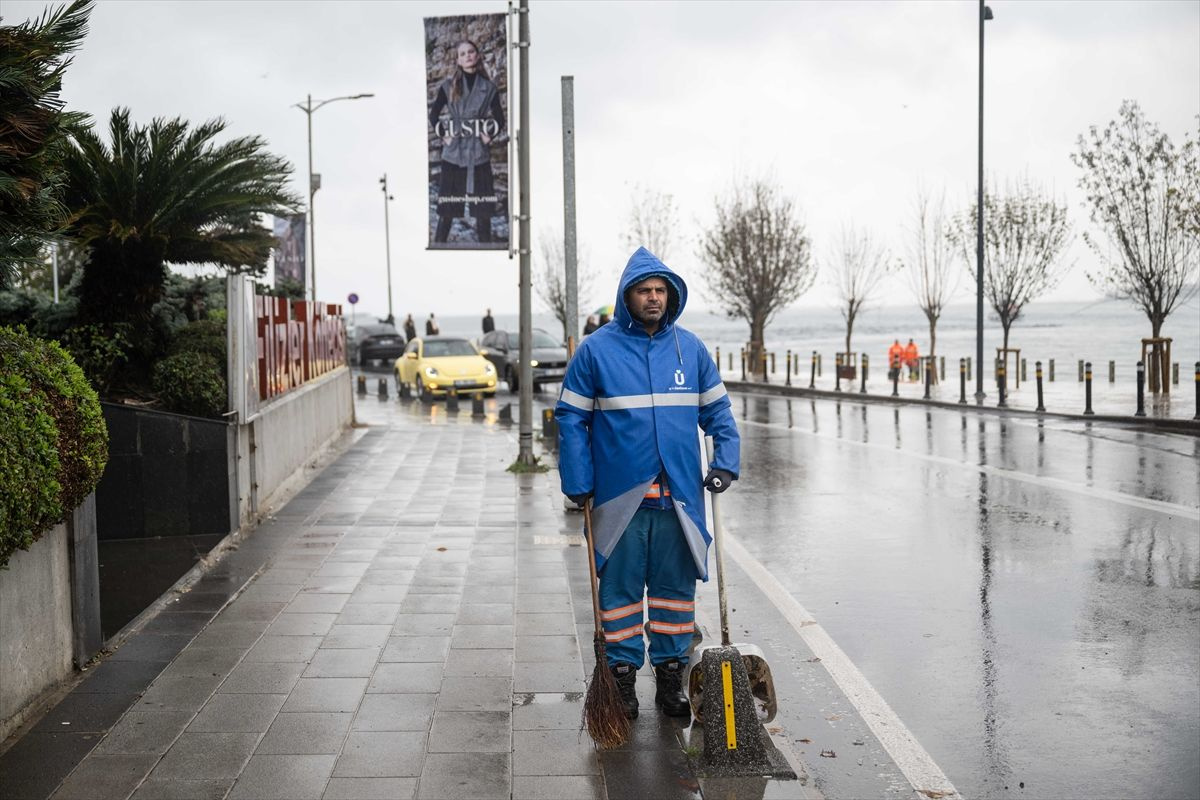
(633, 401)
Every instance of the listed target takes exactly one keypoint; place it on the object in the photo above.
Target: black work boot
(669, 696)
(626, 676)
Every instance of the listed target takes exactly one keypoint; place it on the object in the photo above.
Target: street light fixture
(985, 14)
(387, 240)
(313, 180)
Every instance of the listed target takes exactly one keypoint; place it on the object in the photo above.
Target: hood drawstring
(678, 352)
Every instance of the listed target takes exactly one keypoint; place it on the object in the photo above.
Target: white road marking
(918, 766)
(1160, 506)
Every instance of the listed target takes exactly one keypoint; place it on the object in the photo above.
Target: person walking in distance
(489, 324)
(912, 357)
(431, 326)
(632, 399)
(895, 358)
(410, 328)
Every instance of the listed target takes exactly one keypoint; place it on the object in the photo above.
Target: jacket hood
(641, 265)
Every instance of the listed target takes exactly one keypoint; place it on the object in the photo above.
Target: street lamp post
(985, 14)
(387, 243)
(309, 109)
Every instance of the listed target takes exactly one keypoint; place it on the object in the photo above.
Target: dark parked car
(375, 341)
(547, 354)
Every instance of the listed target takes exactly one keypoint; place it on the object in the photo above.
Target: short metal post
(477, 407)
(1052, 370)
(962, 381)
(1112, 371)
(1175, 373)
(1024, 371)
(1087, 389)
(1141, 390)
(837, 372)
(819, 365)
(763, 358)
(788, 381)
(731, 362)
(1038, 373)
(362, 384)
(929, 367)
(895, 383)
(743, 365)
(863, 390)
(718, 359)
(1000, 383)
(383, 389)
(969, 368)
(812, 380)
(1197, 416)
(772, 362)
(942, 368)
(452, 400)
(1081, 370)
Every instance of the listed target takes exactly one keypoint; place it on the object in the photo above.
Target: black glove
(718, 480)
(579, 499)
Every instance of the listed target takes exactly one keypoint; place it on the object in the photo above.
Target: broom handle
(591, 548)
(718, 538)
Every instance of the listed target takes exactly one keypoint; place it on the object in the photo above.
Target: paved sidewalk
(409, 625)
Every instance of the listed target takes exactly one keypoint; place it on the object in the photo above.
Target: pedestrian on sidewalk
(632, 399)
(489, 324)
(410, 328)
(431, 326)
(895, 358)
(912, 357)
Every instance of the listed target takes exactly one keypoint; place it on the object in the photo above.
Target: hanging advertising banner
(466, 91)
(290, 263)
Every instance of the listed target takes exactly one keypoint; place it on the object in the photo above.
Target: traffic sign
(353, 298)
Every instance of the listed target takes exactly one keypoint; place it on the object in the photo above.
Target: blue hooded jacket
(631, 408)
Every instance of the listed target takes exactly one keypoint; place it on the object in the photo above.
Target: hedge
(53, 441)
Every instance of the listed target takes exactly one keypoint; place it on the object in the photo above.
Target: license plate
(464, 382)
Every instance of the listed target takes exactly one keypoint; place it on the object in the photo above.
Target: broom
(603, 712)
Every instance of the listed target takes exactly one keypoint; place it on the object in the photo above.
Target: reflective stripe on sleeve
(576, 400)
(713, 394)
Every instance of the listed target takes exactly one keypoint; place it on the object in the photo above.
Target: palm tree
(33, 58)
(167, 193)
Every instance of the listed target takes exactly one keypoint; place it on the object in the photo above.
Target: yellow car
(433, 365)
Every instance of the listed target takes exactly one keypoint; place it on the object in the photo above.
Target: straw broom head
(603, 712)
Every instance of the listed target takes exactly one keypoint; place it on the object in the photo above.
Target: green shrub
(53, 441)
(191, 383)
(206, 337)
(100, 351)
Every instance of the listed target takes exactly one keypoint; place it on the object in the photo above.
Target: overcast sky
(849, 106)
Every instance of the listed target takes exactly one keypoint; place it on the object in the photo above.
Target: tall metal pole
(54, 256)
(525, 431)
(312, 214)
(985, 13)
(569, 240)
(387, 240)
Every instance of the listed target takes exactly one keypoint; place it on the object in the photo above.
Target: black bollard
(1081, 370)
(788, 382)
(895, 381)
(962, 381)
(837, 372)
(362, 384)
(549, 424)
(1037, 371)
(718, 359)
(452, 400)
(1024, 372)
(1141, 390)
(1197, 391)
(968, 368)
(402, 391)
(743, 365)
(506, 414)
(383, 389)
(1087, 389)
(1112, 371)
(863, 390)
(1000, 383)
(731, 362)
(929, 367)
(772, 362)
(477, 405)
(763, 357)
(812, 380)
(1052, 370)
(819, 365)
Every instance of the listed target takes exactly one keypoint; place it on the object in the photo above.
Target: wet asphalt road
(1035, 622)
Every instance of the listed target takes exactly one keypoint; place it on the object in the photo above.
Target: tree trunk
(933, 347)
(756, 347)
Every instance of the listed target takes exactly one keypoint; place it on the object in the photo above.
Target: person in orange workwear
(912, 358)
(895, 358)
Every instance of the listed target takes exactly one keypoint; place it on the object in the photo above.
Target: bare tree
(653, 222)
(551, 282)
(1024, 234)
(1144, 194)
(758, 255)
(930, 263)
(858, 265)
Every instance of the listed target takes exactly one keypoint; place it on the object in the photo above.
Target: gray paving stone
(450, 777)
(388, 577)
(371, 789)
(406, 678)
(395, 712)
(416, 648)
(292, 624)
(545, 624)
(204, 756)
(368, 593)
(250, 611)
(270, 592)
(353, 554)
(284, 648)
(318, 603)
(547, 648)
(356, 663)
(177, 789)
(488, 594)
(554, 752)
(278, 575)
(100, 777)
(283, 777)
(221, 633)
(532, 712)
(326, 694)
(195, 662)
(490, 577)
(544, 603)
(120, 677)
(375, 754)
(430, 603)
(470, 732)
(339, 569)
(480, 663)
(369, 614)
(178, 694)
(144, 732)
(340, 584)
(485, 614)
(306, 733)
(475, 694)
(423, 624)
(236, 713)
(481, 637)
(558, 787)
(436, 584)
(268, 677)
(543, 585)
(555, 676)
(356, 636)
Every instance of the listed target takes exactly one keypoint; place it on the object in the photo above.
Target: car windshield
(382, 329)
(436, 348)
(543, 339)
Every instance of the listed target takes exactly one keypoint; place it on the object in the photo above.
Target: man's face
(647, 301)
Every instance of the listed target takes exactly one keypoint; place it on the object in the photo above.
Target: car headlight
(533, 362)
(431, 371)
(489, 369)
